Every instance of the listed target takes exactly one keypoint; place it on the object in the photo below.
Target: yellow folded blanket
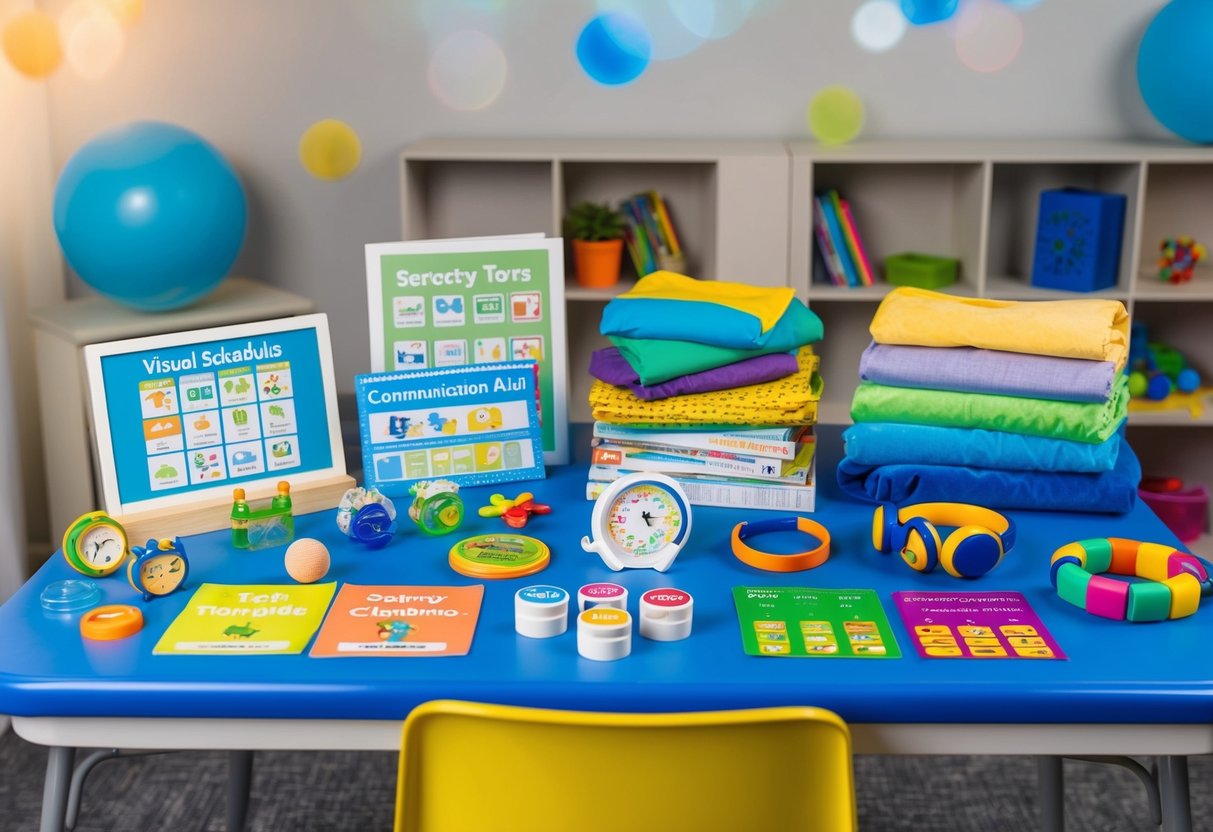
(765, 303)
(787, 401)
(1085, 328)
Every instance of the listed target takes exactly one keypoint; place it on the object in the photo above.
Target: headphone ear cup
(970, 552)
(921, 548)
(885, 527)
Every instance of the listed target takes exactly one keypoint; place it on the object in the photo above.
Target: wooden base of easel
(216, 512)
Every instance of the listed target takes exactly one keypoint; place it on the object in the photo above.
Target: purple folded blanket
(972, 370)
(610, 366)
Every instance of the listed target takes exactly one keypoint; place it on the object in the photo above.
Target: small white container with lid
(541, 611)
(665, 614)
(602, 595)
(604, 634)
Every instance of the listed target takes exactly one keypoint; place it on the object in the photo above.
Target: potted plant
(597, 233)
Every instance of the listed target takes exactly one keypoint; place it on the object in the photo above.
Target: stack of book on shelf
(839, 256)
(651, 239)
(1005, 404)
(713, 384)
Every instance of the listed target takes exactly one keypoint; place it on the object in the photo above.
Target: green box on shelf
(925, 271)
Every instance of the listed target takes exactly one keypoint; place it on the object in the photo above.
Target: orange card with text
(400, 621)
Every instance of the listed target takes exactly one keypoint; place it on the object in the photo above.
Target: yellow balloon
(330, 149)
(127, 12)
(836, 115)
(31, 43)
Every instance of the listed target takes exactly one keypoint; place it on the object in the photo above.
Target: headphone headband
(1175, 580)
(962, 514)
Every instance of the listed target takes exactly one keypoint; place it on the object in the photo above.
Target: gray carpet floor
(311, 792)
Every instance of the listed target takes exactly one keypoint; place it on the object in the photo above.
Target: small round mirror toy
(437, 507)
(159, 568)
(640, 521)
(367, 516)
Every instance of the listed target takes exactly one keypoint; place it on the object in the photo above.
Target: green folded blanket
(1079, 421)
(656, 360)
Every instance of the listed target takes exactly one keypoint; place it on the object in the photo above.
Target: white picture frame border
(99, 409)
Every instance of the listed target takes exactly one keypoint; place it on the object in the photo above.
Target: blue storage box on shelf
(1078, 238)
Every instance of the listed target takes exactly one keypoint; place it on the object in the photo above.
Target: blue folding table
(1125, 689)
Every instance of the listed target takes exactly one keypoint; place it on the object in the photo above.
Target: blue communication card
(218, 413)
(473, 425)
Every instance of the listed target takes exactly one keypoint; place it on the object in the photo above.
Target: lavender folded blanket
(610, 366)
(972, 370)
(1109, 492)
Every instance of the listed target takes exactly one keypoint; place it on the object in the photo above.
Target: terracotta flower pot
(596, 264)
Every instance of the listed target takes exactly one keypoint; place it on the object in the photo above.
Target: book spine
(664, 459)
(643, 243)
(833, 264)
(842, 209)
(839, 242)
(667, 224)
(703, 492)
(769, 448)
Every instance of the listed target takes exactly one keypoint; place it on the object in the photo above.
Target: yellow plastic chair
(471, 767)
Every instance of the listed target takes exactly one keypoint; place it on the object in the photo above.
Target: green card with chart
(802, 621)
(436, 304)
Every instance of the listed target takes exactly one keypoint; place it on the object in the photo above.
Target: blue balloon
(150, 215)
(614, 48)
(925, 12)
(1175, 68)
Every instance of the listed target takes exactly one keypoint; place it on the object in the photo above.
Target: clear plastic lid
(72, 595)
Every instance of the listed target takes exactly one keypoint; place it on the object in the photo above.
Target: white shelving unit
(744, 211)
(729, 201)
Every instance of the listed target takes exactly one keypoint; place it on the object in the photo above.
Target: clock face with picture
(640, 520)
(95, 544)
(645, 518)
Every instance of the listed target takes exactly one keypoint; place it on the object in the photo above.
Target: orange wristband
(772, 562)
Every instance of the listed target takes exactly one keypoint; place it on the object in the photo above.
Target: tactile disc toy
(496, 556)
(640, 521)
(111, 622)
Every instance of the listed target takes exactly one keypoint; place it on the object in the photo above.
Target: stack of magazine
(758, 468)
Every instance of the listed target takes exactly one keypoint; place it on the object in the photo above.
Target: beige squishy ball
(307, 560)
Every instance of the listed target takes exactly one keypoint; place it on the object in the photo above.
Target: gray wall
(251, 75)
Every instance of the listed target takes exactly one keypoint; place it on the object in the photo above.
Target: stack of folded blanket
(1014, 405)
(692, 359)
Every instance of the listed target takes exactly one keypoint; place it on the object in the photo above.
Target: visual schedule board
(192, 413)
(435, 304)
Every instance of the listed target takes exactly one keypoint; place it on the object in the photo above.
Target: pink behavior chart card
(975, 625)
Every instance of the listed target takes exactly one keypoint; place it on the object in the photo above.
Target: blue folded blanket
(1110, 492)
(889, 443)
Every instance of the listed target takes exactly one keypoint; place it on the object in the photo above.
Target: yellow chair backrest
(471, 767)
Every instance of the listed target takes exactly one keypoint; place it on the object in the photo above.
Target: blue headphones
(981, 538)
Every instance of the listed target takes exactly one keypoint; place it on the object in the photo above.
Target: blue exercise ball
(150, 215)
(1175, 68)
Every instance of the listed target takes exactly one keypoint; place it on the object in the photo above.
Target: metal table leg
(54, 791)
(1173, 784)
(239, 784)
(1050, 785)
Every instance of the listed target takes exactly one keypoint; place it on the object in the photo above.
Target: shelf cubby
(1014, 212)
(1176, 204)
(462, 198)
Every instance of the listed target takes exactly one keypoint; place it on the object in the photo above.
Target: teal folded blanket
(709, 323)
(656, 360)
(1079, 421)
(1108, 492)
(888, 443)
